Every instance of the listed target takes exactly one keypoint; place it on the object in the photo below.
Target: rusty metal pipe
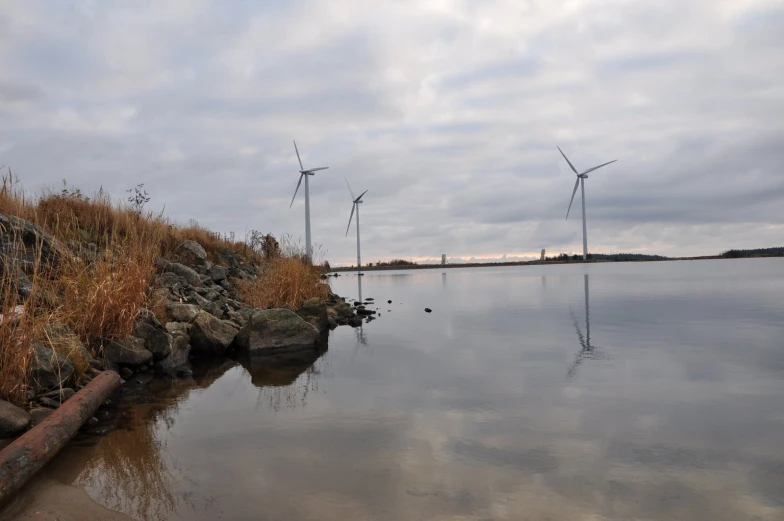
(23, 458)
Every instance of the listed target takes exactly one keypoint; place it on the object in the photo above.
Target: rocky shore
(197, 315)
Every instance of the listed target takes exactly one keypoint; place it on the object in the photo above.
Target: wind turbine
(355, 202)
(305, 173)
(581, 177)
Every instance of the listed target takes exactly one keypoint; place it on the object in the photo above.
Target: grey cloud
(449, 122)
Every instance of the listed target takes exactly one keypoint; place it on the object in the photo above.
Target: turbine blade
(567, 160)
(350, 217)
(350, 190)
(311, 170)
(360, 197)
(298, 159)
(576, 183)
(598, 167)
(297, 189)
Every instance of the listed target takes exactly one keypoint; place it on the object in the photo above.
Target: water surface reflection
(465, 413)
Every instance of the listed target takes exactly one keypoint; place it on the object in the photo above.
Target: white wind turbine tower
(305, 173)
(355, 202)
(581, 177)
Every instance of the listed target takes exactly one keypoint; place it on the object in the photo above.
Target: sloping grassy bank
(89, 263)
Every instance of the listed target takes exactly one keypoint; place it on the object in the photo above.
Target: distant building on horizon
(542, 257)
(443, 258)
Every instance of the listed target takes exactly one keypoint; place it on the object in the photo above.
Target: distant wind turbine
(355, 202)
(305, 173)
(581, 177)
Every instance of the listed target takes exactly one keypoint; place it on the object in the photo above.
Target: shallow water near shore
(605, 392)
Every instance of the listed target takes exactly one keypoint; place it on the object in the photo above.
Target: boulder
(128, 351)
(210, 336)
(208, 293)
(182, 312)
(189, 274)
(314, 311)
(276, 331)
(170, 280)
(176, 364)
(60, 395)
(197, 300)
(218, 273)
(48, 368)
(179, 328)
(23, 243)
(214, 309)
(13, 420)
(156, 339)
(191, 252)
(238, 318)
(39, 414)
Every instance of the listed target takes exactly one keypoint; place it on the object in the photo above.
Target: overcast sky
(447, 111)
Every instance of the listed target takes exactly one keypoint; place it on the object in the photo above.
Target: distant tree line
(758, 252)
(393, 262)
(610, 257)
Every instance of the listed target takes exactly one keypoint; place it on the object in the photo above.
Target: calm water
(605, 392)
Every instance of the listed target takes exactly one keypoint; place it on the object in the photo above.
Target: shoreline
(342, 269)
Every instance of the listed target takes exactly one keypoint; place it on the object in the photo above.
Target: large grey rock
(24, 243)
(211, 336)
(192, 253)
(196, 299)
(179, 328)
(314, 311)
(13, 420)
(156, 339)
(208, 293)
(128, 351)
(176, 364)
(170, 280)
(48, 368)
(276, 331)
(218, 273)
(181, 312)
(185, 272)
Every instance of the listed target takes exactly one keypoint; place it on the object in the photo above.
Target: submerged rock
(13, 420)
(276, 331)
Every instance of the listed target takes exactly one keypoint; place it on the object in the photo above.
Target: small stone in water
(428, 310)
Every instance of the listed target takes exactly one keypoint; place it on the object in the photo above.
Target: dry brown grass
(104, 281)
(16, 335)
(284, 282)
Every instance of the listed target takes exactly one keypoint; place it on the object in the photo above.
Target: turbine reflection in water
(587, 350)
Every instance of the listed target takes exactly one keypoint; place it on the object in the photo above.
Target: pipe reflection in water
(587, 350)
